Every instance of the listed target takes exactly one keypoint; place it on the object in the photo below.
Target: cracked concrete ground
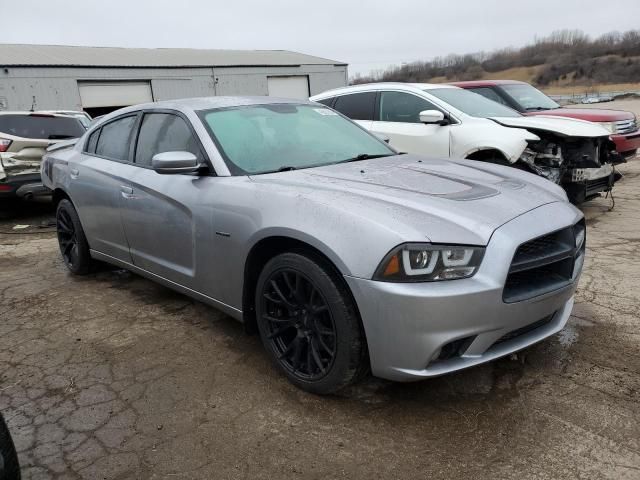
(112, 376)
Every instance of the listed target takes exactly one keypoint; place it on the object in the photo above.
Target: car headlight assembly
(425, 262)
(612, 127)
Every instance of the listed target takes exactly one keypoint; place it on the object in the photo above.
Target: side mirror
(432, 116)
(382, 136)
(174, 162)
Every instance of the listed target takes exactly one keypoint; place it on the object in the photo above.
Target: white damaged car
(446, 121)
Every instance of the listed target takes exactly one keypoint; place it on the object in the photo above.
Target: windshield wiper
(366, 156)
(536, 109)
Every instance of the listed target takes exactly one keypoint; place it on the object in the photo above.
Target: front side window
(472, 104)
(114, 138)
(268, 138)
(402, 107)
(164, 132)
(528, 97)
(356, 106)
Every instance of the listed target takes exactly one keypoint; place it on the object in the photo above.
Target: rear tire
(72, 240)
(9, 467)
(309, 324)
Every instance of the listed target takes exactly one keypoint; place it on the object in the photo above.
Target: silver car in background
(344, 255)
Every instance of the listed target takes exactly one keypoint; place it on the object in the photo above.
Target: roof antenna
(33, 104)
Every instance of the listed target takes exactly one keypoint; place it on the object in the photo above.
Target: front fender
(301, 236)
(511, 142)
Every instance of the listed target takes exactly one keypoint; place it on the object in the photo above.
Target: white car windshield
(472, 103)
(275, 137)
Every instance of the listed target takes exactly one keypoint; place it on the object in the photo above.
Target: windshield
(41, 126)
(472, 103)
(529, 98)
(268, 138)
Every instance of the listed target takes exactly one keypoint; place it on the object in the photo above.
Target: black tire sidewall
(350, 346)
(83, 265)
(11, 470)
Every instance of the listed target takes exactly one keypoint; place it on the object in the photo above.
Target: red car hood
(590, 114)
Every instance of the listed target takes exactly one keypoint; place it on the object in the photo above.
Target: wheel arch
(486, 153)
(58, 195)
(267, 248)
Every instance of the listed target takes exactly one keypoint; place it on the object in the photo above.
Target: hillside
(566, 61)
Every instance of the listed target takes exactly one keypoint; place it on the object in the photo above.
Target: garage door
(114, 94)
(289, 87)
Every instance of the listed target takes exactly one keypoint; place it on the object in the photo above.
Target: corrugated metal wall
(48, 88)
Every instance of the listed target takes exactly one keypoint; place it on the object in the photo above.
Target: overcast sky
(367, 34)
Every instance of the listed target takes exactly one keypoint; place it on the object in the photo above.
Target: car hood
(571, 127)
(590, 114)
(420, 198)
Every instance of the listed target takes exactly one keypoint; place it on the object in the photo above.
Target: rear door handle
(127, 192)
(74, 173)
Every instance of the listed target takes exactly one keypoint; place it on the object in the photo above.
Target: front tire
(72, 240)
(309, 324)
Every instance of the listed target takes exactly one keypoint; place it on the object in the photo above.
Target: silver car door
(95, 183)
(158, 209)
(397, 117)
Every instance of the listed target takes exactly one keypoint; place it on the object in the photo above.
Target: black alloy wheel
(71, 239)
(299, 323)
(67, 238)
(309, 324)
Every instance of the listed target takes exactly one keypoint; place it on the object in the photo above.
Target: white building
(101, 79)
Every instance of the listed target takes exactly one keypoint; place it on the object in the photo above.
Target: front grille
(543, 265)
(626, 126)
(598, 185)
(523, 330)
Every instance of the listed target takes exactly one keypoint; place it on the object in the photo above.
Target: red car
(528, 100)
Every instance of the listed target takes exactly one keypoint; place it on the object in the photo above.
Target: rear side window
(403, 107)
(163, 132)
(357, 106)
(115, 137)
(46, 127)
(92, 142)
(326, 101)
(489, 93)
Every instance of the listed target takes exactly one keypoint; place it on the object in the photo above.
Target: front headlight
(424, 262)
(609, 126)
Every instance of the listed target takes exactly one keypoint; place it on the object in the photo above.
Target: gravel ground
(112, 376)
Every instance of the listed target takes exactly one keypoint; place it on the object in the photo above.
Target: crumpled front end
(584, 166)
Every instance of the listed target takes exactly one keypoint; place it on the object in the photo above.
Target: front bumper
(587, 183)
(408, 324)
(628, 143)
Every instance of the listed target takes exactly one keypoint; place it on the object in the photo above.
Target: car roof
(485, 83)
(381, 85)
(202, 103)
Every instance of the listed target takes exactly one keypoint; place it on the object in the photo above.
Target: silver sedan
(344, 255)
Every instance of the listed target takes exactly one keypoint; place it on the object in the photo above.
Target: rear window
(42, 127)
(357, 106)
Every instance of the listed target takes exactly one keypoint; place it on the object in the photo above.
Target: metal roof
(72, 56)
